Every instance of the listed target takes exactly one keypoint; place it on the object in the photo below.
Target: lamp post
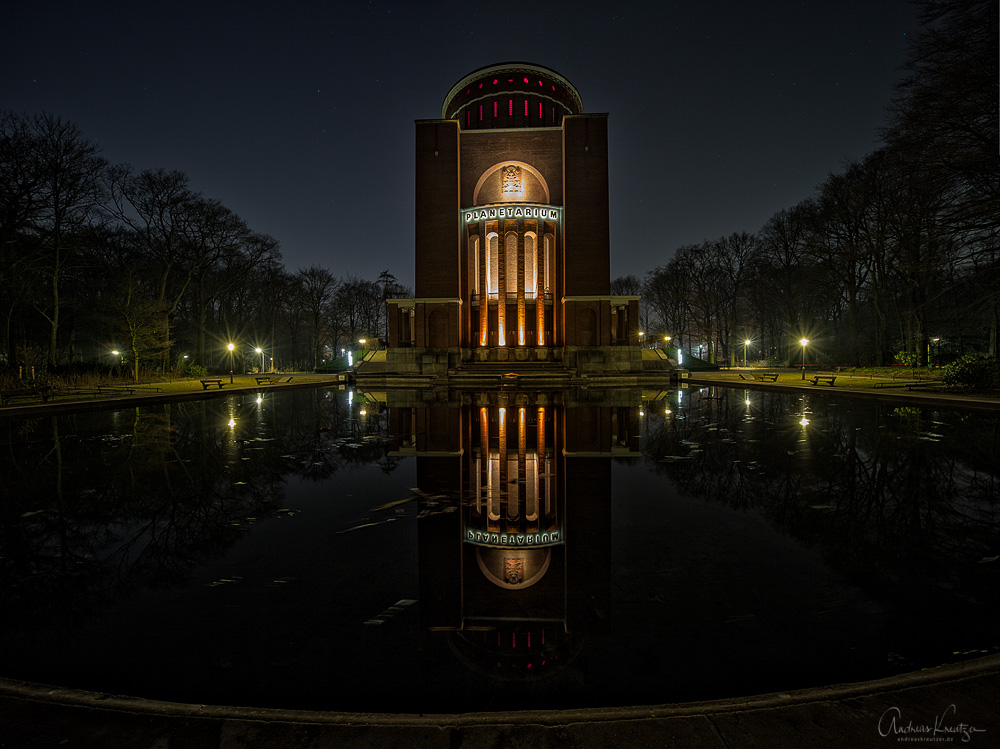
(666, 340)
(641, 334)
(745, 344)
(804, 342)
(260, 351)
(231, 347)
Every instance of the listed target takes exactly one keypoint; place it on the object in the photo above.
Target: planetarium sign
(521, 210)
(513, 540)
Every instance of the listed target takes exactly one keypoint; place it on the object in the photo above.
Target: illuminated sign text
(513, 540)
(521, 210)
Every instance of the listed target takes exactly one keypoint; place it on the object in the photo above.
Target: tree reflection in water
(903, 501)
(101, 505)
(708, 542)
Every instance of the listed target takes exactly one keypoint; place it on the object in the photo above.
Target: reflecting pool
(449, 551)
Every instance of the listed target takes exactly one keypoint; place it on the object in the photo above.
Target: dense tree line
(96, 258)
(896, 253)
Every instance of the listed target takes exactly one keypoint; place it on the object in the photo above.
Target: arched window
(510, 258)
(474, 264)
(530, 266)
(491, 266)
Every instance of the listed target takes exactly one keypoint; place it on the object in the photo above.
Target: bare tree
(317, 287)
(51, 188)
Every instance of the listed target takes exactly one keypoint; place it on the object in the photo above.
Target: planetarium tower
(512, 238)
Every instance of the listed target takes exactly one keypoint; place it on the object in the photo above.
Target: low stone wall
(572, 360)
(603, 360)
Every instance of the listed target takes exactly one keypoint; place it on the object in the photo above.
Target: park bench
(828, 379)
(6, 396)
(766, 376)
(265, 380)
(211, 381)
(115, 390)
(925, 384)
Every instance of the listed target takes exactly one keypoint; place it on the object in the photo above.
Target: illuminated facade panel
(512, 238)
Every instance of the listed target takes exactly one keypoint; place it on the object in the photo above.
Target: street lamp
(260, 351)
(641, 334)
(804, 342)
(666, 340)
(745, 344)
(231, 347)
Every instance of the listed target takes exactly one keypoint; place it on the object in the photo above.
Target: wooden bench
(211, 381)
(6, 396)
(115, 390)
(264, 380)
(766, 376)
(828, 379)
(926, 384)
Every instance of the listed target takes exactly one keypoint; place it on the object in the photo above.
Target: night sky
(299, 115)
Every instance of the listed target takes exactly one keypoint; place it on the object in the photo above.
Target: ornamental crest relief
(513, 571)
(510, 183)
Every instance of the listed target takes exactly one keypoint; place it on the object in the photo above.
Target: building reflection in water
(515, 512)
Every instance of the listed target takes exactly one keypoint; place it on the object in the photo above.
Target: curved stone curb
(986, 666)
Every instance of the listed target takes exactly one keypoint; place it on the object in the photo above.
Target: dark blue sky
(299, 115)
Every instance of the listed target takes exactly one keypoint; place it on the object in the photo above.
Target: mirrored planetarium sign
(513, 540)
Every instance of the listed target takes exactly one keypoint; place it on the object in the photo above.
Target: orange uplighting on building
(512, 212)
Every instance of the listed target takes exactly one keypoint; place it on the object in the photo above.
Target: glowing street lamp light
(745, 344)
(260, 351)
(804, 342)
(231, 348)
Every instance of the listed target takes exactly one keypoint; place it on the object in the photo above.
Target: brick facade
(506, 286)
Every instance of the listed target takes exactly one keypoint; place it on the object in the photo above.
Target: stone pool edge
(983, 671)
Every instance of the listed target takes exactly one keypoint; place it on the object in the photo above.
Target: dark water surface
(446, 551)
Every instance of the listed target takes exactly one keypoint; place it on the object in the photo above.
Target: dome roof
(511, 94)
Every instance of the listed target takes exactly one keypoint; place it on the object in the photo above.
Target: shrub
(195, 370)
(907, 359)
(973, 371)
